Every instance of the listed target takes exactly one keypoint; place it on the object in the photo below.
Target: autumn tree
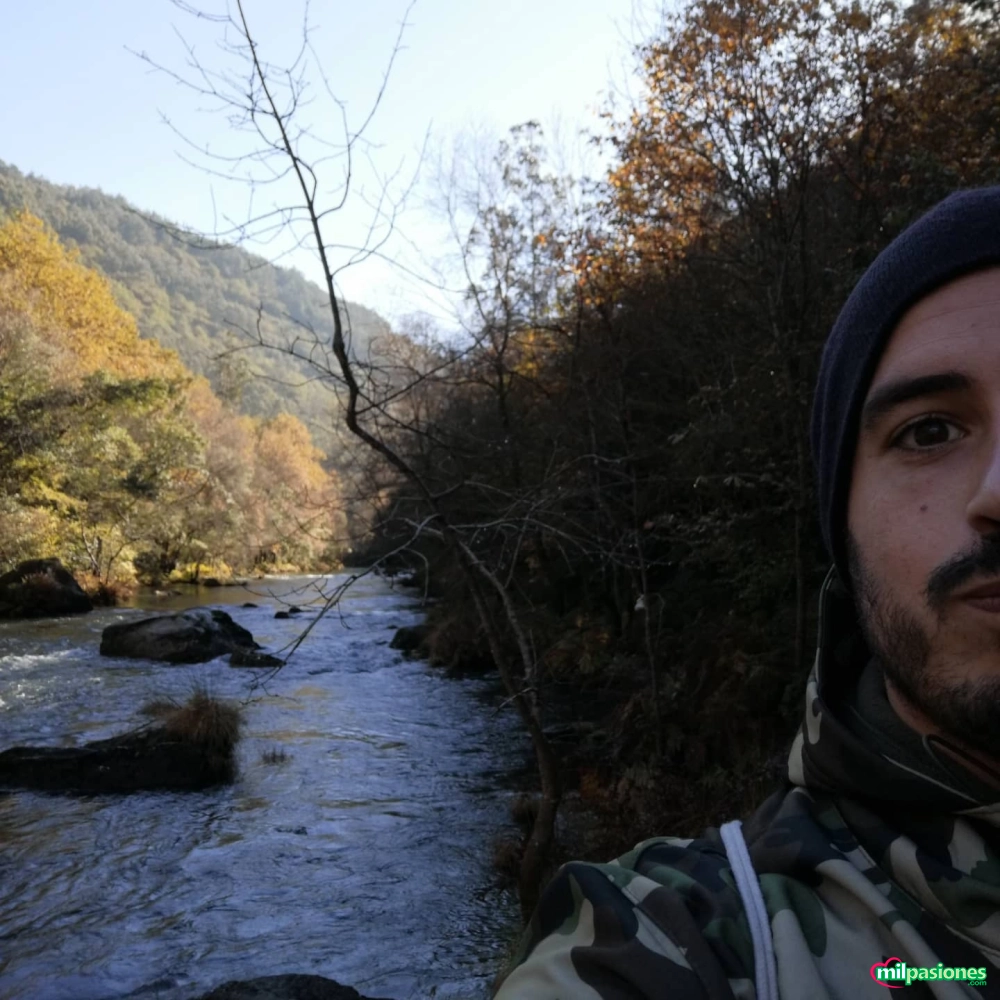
(86, 427)
(108, 455)
(774, 149)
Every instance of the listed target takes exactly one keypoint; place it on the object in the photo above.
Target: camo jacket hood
(879, 846)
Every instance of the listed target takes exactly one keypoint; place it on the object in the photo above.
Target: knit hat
(959, 235)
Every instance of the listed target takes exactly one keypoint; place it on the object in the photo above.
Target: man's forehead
(955, 328)
(964, 292)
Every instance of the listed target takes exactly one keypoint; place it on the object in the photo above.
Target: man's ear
(839, 587)
(841, 639)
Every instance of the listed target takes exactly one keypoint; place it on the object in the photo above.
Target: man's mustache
(983, 561)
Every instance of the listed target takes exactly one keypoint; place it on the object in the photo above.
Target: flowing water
(364, 856)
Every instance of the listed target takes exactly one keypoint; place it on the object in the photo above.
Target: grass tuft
(523, 810)
(202, 720)
(158, 708)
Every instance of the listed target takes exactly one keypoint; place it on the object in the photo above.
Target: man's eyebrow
(887, 397)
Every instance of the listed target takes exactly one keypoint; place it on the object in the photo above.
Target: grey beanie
(959, 235)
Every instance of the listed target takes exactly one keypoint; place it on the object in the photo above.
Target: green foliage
(202, 300)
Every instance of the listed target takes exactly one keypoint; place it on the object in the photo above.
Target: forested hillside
(116, 458)
(199, 299)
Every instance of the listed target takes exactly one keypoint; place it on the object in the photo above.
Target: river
(364, 856)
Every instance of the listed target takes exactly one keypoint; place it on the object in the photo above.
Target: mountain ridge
(205, 299)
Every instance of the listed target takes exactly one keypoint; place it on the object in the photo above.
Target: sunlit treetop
(72, 306)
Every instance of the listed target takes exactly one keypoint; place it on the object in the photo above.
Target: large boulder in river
(288, 987)
(41, 588)
(191, 747)
(189, 637)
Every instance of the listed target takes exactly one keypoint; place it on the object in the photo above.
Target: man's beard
(966, 709)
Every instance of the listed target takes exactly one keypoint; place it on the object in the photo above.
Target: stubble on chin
(967, 709)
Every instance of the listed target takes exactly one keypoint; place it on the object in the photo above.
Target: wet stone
(189, 637)
(288, 987)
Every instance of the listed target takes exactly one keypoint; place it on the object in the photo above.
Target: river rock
(409, 638)
(191, 748)
(251, 658)
(41, 588)
(189, 637)
(287, 987)
(414, 578)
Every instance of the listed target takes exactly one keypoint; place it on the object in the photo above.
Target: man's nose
(984, 508)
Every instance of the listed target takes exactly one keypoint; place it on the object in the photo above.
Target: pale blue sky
(79, 109)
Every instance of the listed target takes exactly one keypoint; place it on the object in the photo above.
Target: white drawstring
(765, 969)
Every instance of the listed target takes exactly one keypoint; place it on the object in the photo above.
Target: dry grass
(507, 854)
(523, 810)
(276, 755)
(201, 720)
(105, 593)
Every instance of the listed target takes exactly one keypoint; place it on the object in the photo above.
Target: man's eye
(926, 434)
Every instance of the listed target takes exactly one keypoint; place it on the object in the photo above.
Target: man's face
(924, 511)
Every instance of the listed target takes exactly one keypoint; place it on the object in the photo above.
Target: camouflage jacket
(880, 846)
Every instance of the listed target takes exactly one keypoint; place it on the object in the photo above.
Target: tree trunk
(539, 844)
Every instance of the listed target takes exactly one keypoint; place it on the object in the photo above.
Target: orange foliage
(286, 456)
(743, 99)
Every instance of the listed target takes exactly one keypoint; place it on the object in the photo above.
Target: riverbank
(600, 719)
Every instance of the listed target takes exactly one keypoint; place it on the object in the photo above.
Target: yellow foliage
(286, 455)
(210, 569)
(73, 306)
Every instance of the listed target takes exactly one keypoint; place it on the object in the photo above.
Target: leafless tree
(379, 398)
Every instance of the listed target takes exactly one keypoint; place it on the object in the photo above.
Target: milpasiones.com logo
(894, 973)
